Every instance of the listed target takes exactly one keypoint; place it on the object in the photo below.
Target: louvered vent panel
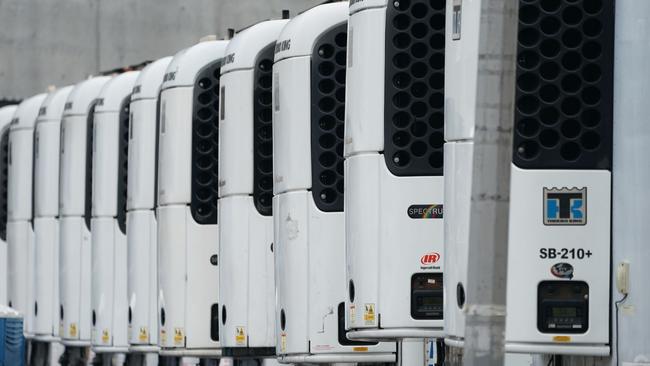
(205, 145)
(414, 82)
(327, 116)
(564, 106)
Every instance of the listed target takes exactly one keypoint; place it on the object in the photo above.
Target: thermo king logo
(565, 206)
(230, 58)
(283, 45)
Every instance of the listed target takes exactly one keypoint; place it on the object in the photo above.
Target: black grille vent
(327, 116)
(263, 139)
(414, 97)
(4, 181)
(205, 145)
(123, 162)
(88, 203)
(563, 116)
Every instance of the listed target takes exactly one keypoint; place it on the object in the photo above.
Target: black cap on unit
(285, 14)
(231, 33)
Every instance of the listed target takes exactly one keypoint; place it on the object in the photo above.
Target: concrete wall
(59, 42)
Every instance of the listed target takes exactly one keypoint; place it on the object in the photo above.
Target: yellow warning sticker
(360, 349)
(562, 339)
(240, 336)
(369, 314)
(283, 342)
(106, 336)
(353, 314)
(143, 334)
(72, 330)
(163, 336)
(179, 338)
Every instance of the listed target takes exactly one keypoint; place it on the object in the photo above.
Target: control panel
(563, 307)
(426, 296)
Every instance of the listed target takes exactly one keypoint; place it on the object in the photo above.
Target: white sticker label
(276, 92)
(350, 46)
(456, 20)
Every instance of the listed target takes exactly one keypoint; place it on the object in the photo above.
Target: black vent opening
(90, 125)
(123, 162)
(263, 138)
(4, 181)
(205, 145)
(564, 95)
(327, 118)
(414, 88)
(214, 322)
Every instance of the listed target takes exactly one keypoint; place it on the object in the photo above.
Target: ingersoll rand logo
(565, 206)
(430, 260)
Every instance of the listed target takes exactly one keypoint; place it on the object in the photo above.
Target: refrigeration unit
(560, 244)
(394, 169)
(558, 288)
(47, 134)
(246, 265)
(20, 233)
(142, 246)
(308, 112)
(188, 237)
(6, 113)
(75, 173)
(110, 134)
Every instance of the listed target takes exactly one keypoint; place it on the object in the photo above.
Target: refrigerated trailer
(394, 169)
(188, 238)
(75, 312)
(246, 265)
(308, 113)
(47, 133)
(141, 221)
(20, 233)
(558, 285)
(6, 113)
(110, 133)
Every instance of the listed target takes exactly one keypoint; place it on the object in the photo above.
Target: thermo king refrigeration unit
(20, 233)
(560, 199)
(75, 313)
(394, 169)
(47, 134)
(188, 236)
(142, 246)
(246, 265)
(308, 114)
(6, 113)
(110, 133)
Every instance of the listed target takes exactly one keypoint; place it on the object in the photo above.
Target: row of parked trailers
(197, 207)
